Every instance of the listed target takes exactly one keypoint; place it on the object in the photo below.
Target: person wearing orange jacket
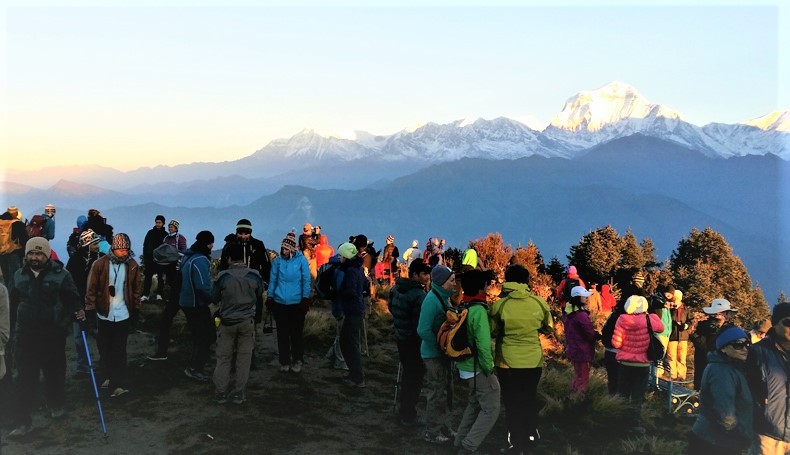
(323, 251)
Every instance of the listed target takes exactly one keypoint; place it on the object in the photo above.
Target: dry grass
(319, 328)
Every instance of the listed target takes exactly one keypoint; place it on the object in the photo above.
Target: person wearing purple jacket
(580, 338)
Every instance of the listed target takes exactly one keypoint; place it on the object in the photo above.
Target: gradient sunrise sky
(167, 82)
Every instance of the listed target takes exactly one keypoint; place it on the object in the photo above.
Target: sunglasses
(740, 344)
(785, 322)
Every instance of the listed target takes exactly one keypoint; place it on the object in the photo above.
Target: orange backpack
(7, 244)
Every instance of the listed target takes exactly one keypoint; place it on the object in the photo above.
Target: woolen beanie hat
(174, 223)
(780, 312)
(729, 335)
(414, 244)
(88, 238)
(636, 304)
(639, 278)
(13, 211)
(49, 208)
(289, 242)
(38, 244)
(572, 270)
(390, 239)
(81, 220)
(440, 274)
(160, 218)
(121, 241)
(204, 238)
(244, 225)
(347, 250)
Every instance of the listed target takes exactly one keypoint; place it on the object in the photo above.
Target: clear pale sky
(167, 82)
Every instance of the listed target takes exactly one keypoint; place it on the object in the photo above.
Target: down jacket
(768, 373)
(631, 337)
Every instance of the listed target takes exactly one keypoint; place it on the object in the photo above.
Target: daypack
(570, 283)
(35, 227)
(165, 254)
(453, 335)
(325, 285)
(7, 244)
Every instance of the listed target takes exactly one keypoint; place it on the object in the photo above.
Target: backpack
(453, 335)
(35, 226)
(165, 254)
(325, 286)
(7, 244)
(570, 283)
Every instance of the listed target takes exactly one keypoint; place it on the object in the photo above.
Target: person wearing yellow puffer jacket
(517, 319)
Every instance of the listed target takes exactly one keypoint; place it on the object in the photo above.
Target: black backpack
(325, 286)
(570, 283)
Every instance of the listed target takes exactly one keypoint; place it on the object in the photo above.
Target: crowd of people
(742, 378)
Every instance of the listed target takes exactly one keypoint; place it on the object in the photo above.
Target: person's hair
(669, 288)
(576, 302)
(434, 260)
(517, 273)
(473, 281)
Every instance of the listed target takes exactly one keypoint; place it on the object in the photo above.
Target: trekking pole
(93, 378)
(397, 387)
(365, 335)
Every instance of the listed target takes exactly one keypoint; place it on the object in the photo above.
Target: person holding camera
(113, 290)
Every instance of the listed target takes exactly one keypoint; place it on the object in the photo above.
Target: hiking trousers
(481, 413)
(111, 339)
(37, 352)
(202, 327)
(290, 333)
(766, 445)
(351, 346)
(676, 354)
(436, 413)
(632, 385)
(519, 395)
(612, 370)
(238, 338)
(411, 380)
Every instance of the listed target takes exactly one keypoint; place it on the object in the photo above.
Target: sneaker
(158, 297)
(157, 357)
(144, 298)
(105, 384)
(220, 398)
(20, 431)
(56, 413)
(118, 392)
(195, 374)
(361, 384)
(437, 438)
(285, 368)
(239, 397)
(297, 367)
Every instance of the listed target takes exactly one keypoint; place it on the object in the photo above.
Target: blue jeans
(79, 346)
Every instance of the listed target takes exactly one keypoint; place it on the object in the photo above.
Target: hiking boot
(157, 357)
(297, 367)
(144, 298)
(437, 438)
(118, 392)
(56, 413)
(239, 397)
(105, 384)
(285, 368)
(195, 374)
(220, 398)
(20, 431)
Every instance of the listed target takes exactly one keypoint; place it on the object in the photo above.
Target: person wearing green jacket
(517, 319)
(482, 407)
(437, 367)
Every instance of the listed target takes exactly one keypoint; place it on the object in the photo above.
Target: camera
(112, 290)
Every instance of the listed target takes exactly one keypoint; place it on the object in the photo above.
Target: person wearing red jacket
(323, 251)
(631, 337)
(607, 299)
(572, 279)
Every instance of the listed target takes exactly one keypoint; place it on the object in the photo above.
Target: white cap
(718, 306)
(579, 291)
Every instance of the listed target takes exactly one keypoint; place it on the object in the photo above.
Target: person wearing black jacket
(704, 337)
(254, 255)
(155, 236)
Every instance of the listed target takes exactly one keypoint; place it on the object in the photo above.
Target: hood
(405, 285)
(322, 240)
(442, 292)
(606, 289)
(81, 220)
(516, 290)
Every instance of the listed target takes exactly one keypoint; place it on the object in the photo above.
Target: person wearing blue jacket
(194, 299)
(289, 293)
(351, 299)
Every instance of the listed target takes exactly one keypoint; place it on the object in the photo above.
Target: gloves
(269, 304)
(305, 305)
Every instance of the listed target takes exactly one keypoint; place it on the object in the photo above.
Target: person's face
(244, 236)
(36, 259)
(285, 253)
(737, 350)
(93, 247)
(121, 253)
(49, 212)
(782, 330)
(449, 285)
(423, 278)
(670, 296)
(720, 318)
(584, 299)
(171, 228)
(159, 224)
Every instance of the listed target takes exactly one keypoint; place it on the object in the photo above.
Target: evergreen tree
(782, 298)
(649, 254)
(630, 253)
(555, 270)
(704, 267)
(493, 253)
(529, 257)
(597, 254)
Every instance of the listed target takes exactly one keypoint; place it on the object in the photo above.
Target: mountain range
(608, 157)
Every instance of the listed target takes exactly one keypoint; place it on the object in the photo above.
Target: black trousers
(172, 308)
(411, 378)
(290, 333)
(203, 335)
(519, 395)
(350, 346)
(612, 371)
(111, 340)
(39, 351)
(152, 269)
